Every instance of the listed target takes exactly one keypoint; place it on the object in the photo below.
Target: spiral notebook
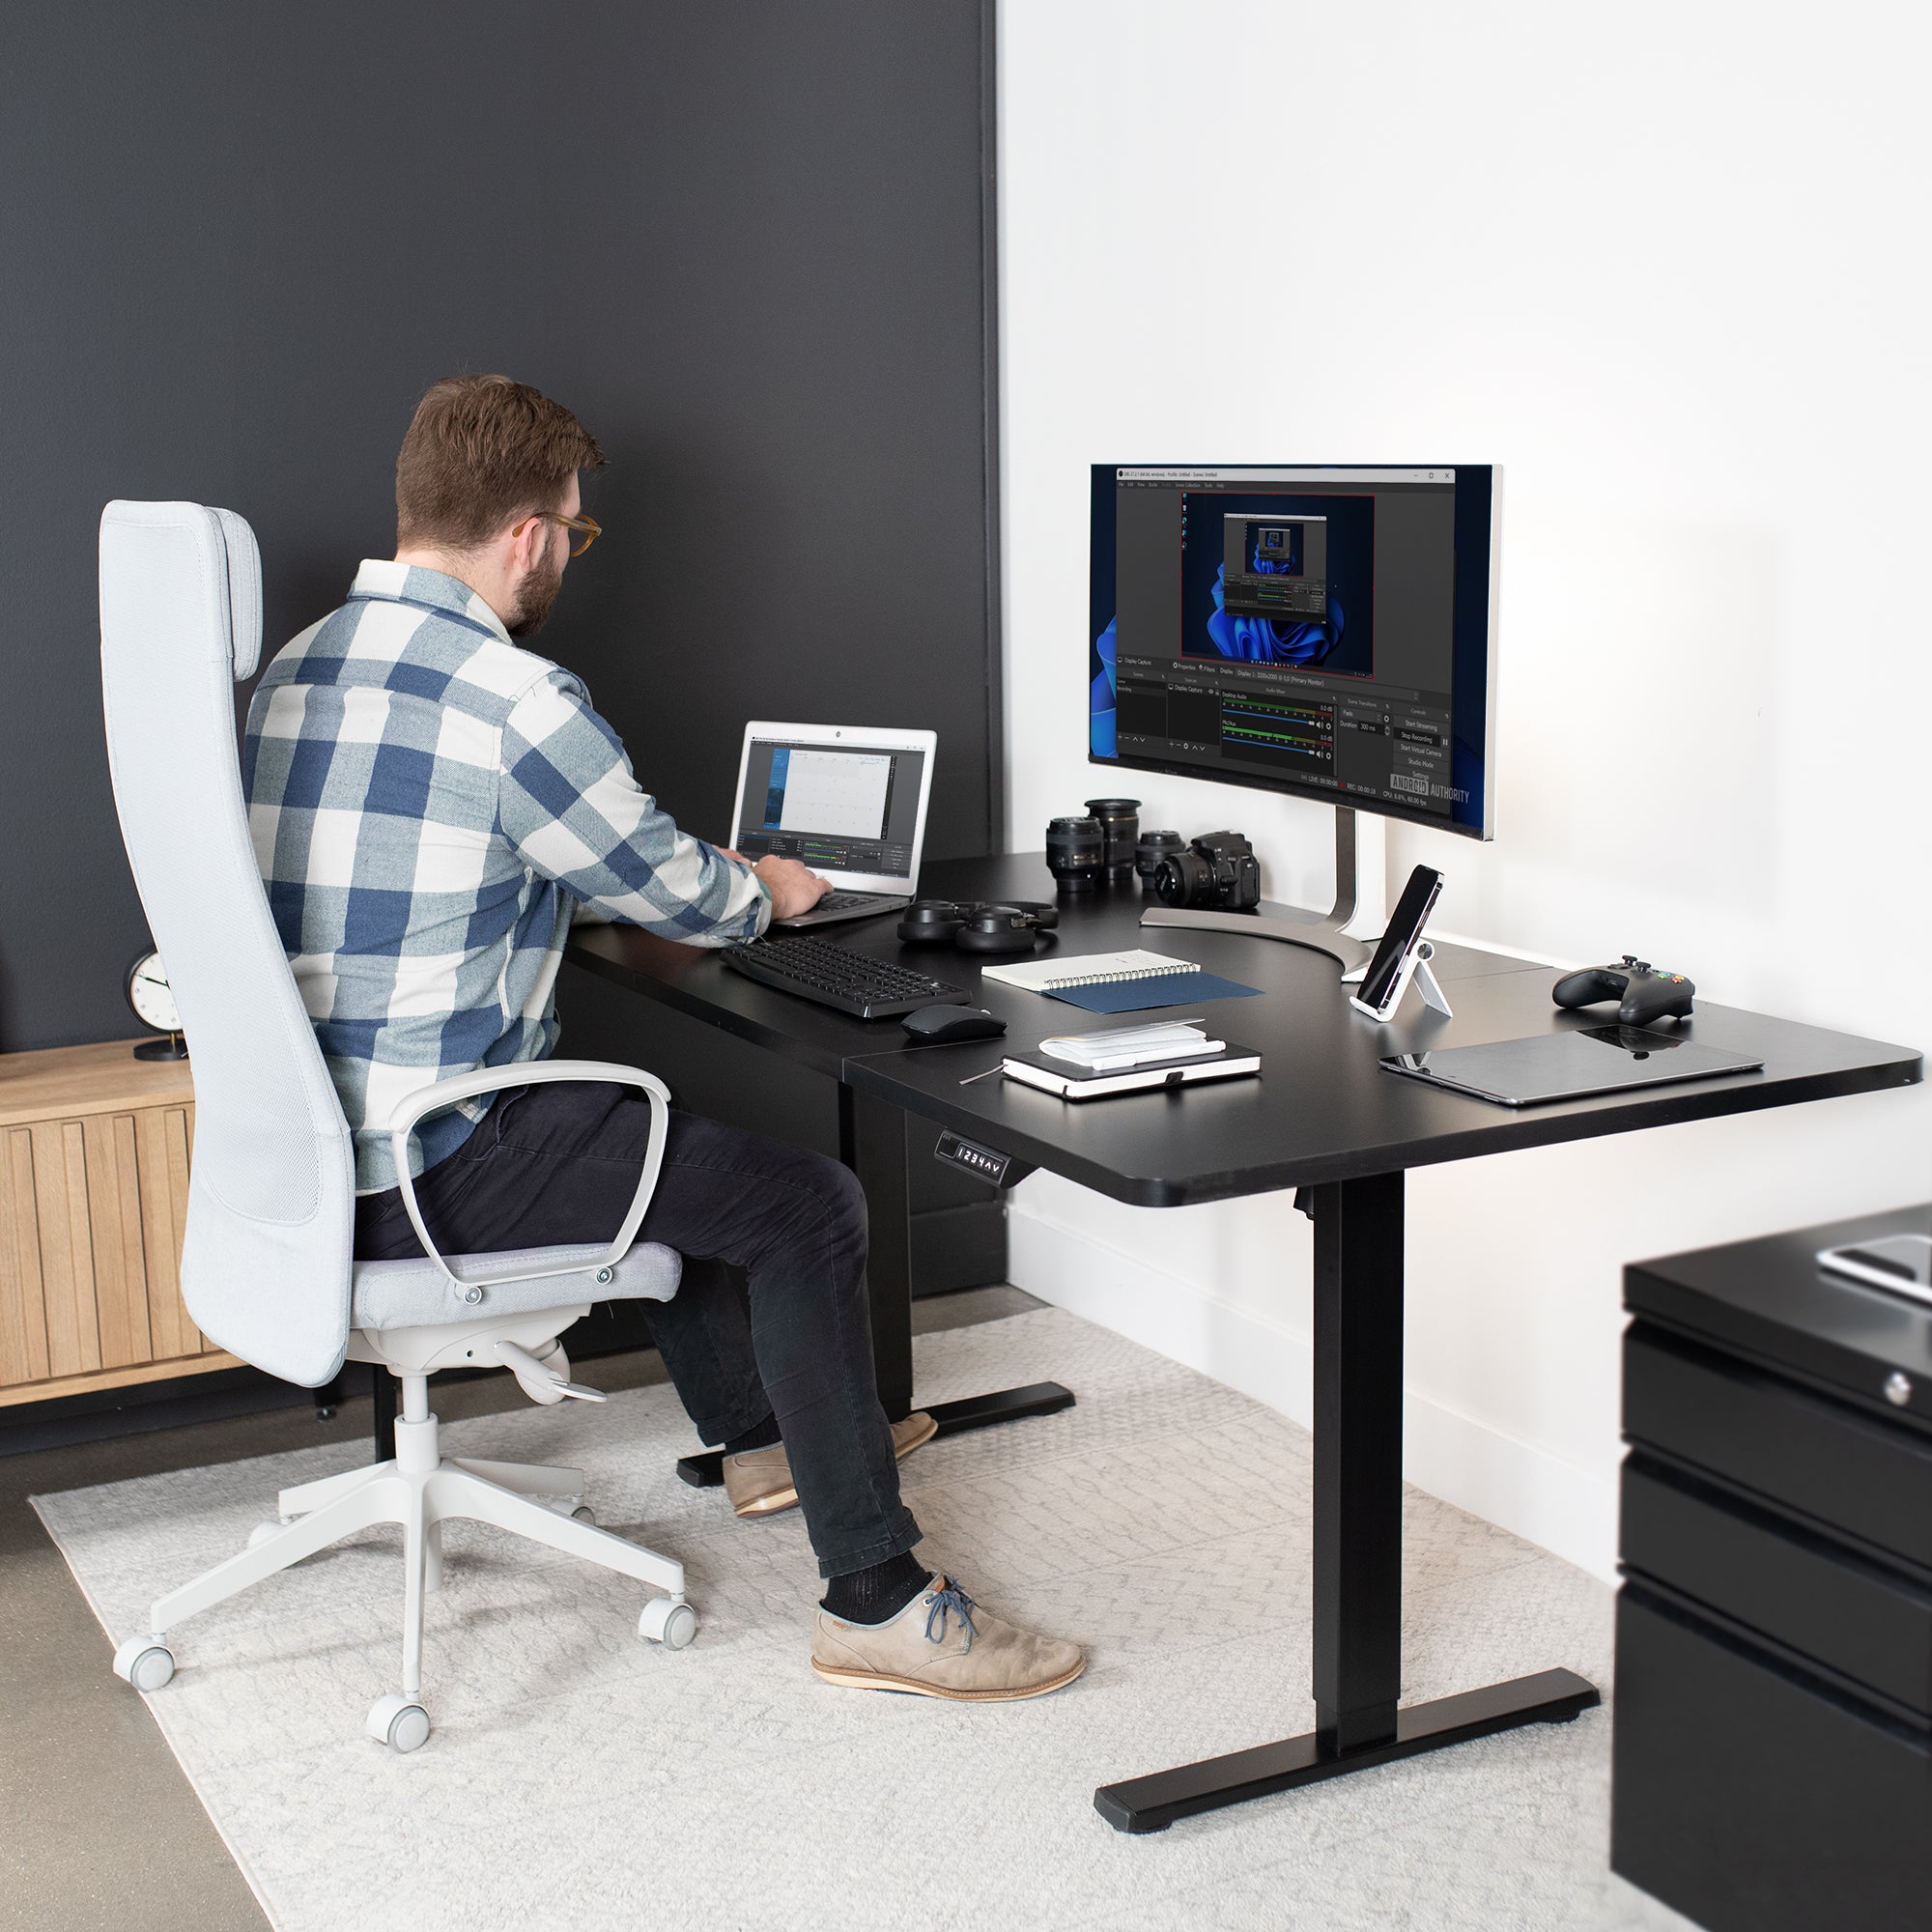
(1120, 982)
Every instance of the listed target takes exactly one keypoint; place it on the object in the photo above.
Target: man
(430, 808)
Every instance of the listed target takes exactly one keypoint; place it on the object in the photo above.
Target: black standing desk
(1323, 1117)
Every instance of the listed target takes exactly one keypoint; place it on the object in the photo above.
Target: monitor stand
(1348, 931)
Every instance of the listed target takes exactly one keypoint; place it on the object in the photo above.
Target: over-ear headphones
(1010, 926)
(1007, 928)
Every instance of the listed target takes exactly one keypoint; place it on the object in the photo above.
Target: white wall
(1665, 265)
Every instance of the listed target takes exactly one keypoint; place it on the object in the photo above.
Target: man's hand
(794, 886)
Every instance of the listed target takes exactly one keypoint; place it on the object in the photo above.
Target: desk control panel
(986, 1163)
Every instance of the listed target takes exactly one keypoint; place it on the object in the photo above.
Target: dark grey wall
(746, 242)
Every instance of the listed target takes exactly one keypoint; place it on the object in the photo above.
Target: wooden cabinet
(95, 1147)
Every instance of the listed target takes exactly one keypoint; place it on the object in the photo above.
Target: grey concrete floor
(98, 1828)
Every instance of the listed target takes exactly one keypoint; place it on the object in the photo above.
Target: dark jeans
(558, 1164)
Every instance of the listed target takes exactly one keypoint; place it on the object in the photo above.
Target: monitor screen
(840, 809)
(1326, 631)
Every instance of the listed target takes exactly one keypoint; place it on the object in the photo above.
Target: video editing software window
(1295, 628)
(847, 808)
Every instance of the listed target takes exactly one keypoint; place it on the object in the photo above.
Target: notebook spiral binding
(1166, 970)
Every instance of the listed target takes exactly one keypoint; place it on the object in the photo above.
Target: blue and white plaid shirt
(431, 807)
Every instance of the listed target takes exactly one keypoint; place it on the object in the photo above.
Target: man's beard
(534, 599)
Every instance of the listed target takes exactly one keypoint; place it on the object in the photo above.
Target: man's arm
(568, 800)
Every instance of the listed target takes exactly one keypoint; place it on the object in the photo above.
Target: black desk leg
(1358, 1317)
(874, 1142)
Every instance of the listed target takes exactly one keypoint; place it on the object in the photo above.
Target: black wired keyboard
(815, 969)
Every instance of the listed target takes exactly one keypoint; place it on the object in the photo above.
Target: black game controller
(1647, 992)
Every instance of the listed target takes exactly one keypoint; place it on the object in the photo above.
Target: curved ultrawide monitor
(1327, 631)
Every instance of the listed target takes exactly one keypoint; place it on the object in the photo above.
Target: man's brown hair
(481, 451)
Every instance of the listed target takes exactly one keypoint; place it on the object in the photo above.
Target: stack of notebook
(1122, 1060)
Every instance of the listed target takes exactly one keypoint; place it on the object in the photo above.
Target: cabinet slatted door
(23, 1322)
(94, 1151)
(163, 1140)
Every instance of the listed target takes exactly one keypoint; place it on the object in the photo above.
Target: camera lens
(1121, 821)
(1075, 853)
(1184, 878)
(1149, 849)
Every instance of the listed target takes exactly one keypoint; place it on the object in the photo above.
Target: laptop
(848, 800)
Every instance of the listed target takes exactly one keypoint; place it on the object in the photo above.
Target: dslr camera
(1219, 869)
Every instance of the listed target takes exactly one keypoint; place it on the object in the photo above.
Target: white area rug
(578, 1778)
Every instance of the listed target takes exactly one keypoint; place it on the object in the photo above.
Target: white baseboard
(1568, 1510)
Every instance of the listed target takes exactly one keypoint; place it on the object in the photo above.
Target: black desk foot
(705, 1470)
(1153, 1804)
(983, 1411)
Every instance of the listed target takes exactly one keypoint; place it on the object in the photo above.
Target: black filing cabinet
(1772, 1743)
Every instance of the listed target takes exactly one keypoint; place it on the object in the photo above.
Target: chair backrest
(267, 1268)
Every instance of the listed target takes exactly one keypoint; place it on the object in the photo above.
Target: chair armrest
(530, 1074)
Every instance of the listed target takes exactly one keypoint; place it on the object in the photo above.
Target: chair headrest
(230, 548)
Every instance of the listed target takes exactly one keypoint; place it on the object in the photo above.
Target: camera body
(1217, 870)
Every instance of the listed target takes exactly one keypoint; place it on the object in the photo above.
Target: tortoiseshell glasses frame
(589, 528)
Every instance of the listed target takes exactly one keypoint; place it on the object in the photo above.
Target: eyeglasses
(591, 527)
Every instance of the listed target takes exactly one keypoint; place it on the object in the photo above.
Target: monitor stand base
(1346, 932)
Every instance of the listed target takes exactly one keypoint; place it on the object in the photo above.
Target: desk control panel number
(987, 1164)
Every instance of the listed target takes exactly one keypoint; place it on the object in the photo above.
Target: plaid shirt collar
(388, 581)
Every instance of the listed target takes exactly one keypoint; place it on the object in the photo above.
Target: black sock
(875, 1595)
(760, 1436)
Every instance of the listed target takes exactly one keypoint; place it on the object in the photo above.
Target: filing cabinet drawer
(1851, 1615)
(1844, 1469)
(1754, 1802)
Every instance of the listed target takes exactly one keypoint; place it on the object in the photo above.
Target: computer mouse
(939, 1026)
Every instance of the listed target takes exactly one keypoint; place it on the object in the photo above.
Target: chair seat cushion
(415, 1294)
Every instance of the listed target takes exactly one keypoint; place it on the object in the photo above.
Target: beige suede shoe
(942, 1645)
(758, 1481)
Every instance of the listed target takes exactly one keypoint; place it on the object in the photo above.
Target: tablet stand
(1414, 966)
(1348, 931)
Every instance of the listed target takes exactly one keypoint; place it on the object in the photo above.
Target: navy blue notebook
(1139, 996)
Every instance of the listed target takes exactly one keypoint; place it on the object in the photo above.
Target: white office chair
(268, 1269)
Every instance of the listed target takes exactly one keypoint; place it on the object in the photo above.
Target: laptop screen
(840, 809)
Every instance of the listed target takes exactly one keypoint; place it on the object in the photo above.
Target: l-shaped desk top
(1322, 1110)
(1323, 1114)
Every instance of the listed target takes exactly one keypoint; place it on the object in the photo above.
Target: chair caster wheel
(399, 1723)
(668, 1621)
(262, 1532)
(145, 1663)
(584, 1513)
